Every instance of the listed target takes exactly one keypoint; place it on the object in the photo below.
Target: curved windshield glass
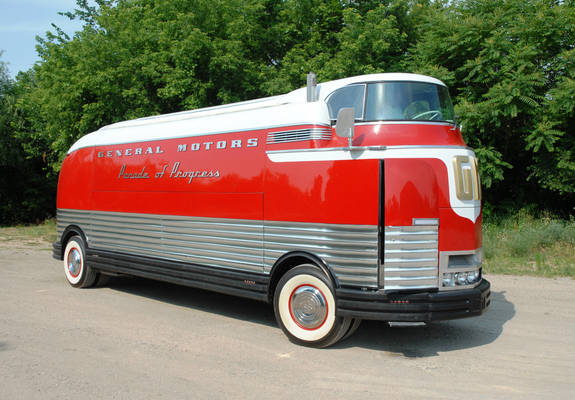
(393, 101)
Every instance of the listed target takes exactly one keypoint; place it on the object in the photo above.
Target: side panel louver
(299, 135)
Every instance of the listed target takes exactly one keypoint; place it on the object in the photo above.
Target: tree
(26, 192)
(509, 66)
(137, 58)
(340, 39)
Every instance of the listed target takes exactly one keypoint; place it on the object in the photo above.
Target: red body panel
(340, 192)
(411, 191)
(205, 180)
(75, 181)
(408, 134)
(230, 176)
(456, 233)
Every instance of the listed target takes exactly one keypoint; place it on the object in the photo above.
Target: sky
(22, 20)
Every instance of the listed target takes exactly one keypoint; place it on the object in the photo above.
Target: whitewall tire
(77, 272)
(305, 308)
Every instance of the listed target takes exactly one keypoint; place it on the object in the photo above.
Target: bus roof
(289, 109)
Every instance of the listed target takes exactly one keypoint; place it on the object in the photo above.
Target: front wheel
(77, 272)
(305, 305)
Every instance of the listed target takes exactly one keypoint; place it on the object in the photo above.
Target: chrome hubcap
(74, 262)
(308, 307)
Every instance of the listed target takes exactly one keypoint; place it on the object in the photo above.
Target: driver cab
(393, 101)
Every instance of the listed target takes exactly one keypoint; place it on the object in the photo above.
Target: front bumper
(414, 307)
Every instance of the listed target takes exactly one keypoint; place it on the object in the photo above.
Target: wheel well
(70, 232)
(289, 261)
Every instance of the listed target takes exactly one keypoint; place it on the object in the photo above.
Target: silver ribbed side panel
(234, 244)
(72, 217)
(350, 250)
(411, 257)
(299, 135)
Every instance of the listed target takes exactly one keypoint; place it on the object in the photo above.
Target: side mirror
(345, 123)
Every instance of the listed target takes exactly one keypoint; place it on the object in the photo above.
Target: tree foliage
(509, 65)
(137, 58)
(27, 192)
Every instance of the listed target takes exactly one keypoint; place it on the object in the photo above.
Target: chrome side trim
(72, 217)
(405, 122)
(350, 250)
(233, 244)
(411, 257)
(374, 148)
(299, 135)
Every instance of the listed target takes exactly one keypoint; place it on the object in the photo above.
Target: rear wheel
(305, 305)
(77, 272)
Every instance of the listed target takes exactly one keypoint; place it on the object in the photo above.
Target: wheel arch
(291, 260)
(69, 232)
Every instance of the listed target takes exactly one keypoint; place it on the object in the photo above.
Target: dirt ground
(139, 339)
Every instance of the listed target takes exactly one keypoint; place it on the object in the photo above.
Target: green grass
(34, 236)
(519, 245)
(524, 245)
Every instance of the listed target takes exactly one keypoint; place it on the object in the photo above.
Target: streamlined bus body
(346, 200)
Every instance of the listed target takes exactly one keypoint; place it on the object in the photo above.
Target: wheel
(101, 280)
(355, 323)
(77, 272)
(305, 305)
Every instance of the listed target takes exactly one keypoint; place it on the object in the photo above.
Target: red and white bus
(346, 200)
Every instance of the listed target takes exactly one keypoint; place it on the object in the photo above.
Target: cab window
(348, 97)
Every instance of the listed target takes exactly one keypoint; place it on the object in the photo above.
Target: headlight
(477, 274)
(461, 278)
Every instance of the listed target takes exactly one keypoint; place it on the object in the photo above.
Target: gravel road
(140, 339)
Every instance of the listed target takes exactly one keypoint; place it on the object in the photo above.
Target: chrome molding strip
(405, 122)
(411, 257)
(71, 217)
(233, 244)
(299, 135)
(350, 250)
(364, 148)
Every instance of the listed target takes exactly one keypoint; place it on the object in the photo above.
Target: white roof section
(285, 110)
(326, 88)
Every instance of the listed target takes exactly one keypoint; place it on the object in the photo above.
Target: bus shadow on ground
(435, 337)
(410, 342)
(197, 299)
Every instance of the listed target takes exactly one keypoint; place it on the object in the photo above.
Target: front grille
(411, 257)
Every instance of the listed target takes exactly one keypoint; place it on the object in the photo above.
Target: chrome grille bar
(411, 257)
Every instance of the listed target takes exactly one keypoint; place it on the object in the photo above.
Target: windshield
(408, 101)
